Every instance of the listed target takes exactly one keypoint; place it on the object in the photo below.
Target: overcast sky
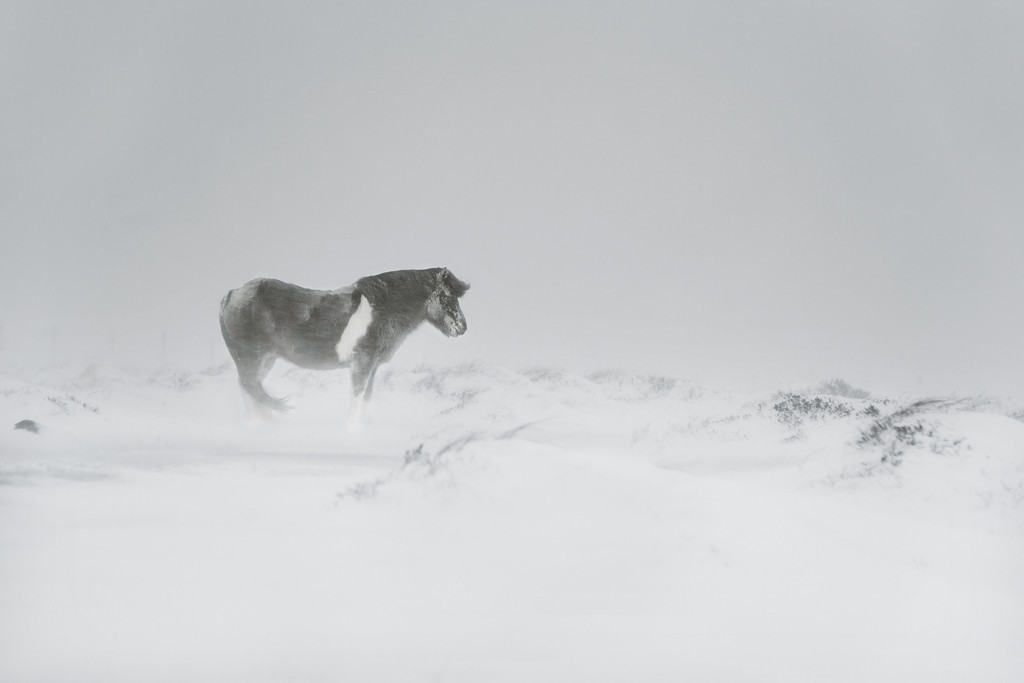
(737, 192)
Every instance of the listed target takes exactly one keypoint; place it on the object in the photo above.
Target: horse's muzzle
(456, 328)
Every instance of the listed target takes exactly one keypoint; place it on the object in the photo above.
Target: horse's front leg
(363, 371)
(368, 392)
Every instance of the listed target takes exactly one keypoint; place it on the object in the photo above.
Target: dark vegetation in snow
(794, 409)
(425, 462)
(65, 403)
(903, 429)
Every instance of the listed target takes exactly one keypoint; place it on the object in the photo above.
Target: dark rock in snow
(28, 425)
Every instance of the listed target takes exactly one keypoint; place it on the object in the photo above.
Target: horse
(359, 326)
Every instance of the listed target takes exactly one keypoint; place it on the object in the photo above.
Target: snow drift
(490, 524)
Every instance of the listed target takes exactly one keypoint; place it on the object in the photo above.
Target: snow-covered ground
(496, 525)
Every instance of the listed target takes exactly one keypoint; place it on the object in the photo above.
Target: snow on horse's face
(443, 309)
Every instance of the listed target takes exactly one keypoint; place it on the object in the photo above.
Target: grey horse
(357, 327)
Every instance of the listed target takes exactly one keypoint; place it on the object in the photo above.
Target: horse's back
(300, 324)
(269, 295)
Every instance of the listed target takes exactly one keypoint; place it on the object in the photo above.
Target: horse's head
(443, 310)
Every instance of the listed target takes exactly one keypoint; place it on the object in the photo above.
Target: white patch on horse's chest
(355, 330)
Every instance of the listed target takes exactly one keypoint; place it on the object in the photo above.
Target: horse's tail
(224, 328)
(247, 370)
(232, 346)
(224, 302)
(252, 386)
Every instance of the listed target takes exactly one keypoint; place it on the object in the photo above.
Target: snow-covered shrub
(178, 380)
(440, 465)
(418, 464)
(894, 434)
(65, 403)
(794, 409)
(639, 387)
(840, 387)
(459, 383)
(558, 380)
(217, 369)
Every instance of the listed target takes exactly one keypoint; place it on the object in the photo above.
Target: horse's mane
(408, 285)
(457, 286)
(374, 288)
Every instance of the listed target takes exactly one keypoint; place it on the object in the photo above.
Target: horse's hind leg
(264, 367)
(252, 369)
